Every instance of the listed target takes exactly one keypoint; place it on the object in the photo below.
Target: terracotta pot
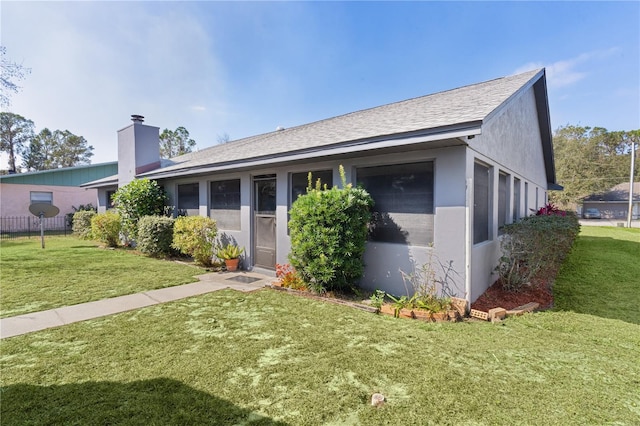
(232, 264)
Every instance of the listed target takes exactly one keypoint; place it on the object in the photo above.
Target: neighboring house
(614, 203)
(445, 170)
(60, 187)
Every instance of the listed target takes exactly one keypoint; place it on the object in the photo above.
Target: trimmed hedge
(105, 227)
(535, 244)
(155, 235)
(82, 223)
(195, 236)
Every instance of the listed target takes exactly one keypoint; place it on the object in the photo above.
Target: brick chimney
(138, 150)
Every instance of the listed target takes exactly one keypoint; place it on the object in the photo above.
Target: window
(300, 182)
(526, 198)
(225, 203)
(403, 194)
(516, 199)
(41, 197)
(481, 202)
(189, 198)
(503, 179)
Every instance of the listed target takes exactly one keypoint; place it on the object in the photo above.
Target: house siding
(510, 143)
(15, 198)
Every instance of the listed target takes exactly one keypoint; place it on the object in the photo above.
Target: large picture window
(189, 198)
(300, 182)
(403, 194)
(481, 203)
(225, 203)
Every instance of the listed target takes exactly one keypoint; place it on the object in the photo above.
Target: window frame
(399, 213)
(236, 206)
(482, 216)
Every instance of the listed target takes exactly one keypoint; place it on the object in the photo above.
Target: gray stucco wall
(510, 142)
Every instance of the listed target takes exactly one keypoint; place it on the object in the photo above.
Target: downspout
(467, 239)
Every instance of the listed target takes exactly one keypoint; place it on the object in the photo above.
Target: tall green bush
(535, 245)
(82, 223)
(106, 227)
(155, 235)
(328, 230)
(140, 197)
(195, 236)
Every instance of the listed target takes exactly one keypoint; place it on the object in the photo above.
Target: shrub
(155, 235)
(105, 227)
(195, 236)
(138, 198)
(68, 218)
(328, 230)
(535, 244)
(82, 223)
(289, 278)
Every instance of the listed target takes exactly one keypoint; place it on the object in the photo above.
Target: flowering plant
(288, 277)
(550, 210)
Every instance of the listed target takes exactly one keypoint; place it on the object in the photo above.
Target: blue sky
(245, 68)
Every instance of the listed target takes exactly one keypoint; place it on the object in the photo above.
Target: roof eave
(457, 131)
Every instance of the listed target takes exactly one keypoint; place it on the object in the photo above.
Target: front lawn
(269, 357)
(70, 271)
(602, 275)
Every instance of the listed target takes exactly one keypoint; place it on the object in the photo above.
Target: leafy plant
(431, 288)
(140, 197)
(328, 230)
(400, 303)
(82, 223)
(534, 245)
(289, 278)
(230, 251)
(377, 298)
(195, 236)
(105, 227)
(155, 235)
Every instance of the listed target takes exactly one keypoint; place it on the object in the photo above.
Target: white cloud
(569, 71)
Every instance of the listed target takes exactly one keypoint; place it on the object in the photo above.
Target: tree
(176, 142)
(71, 150)
(50, 150)
(15, 131)
(38, 154)
(589, 160)
(11, 72)
(223, 138)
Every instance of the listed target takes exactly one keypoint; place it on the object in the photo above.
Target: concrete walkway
(36, 321)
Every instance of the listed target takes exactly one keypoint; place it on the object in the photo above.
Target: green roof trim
(70, 176)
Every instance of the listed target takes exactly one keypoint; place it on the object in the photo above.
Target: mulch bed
(497, 297)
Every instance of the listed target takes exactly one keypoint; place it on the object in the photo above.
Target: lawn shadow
(601, 277)
(144, 402)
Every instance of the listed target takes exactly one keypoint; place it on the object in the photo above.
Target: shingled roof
(462, 109)
(619, 193)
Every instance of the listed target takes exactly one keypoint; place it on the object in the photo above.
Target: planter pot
(422, 315)
(232, 264)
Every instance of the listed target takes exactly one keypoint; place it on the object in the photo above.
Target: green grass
(70, 271)
(602, 275)
(269, 357)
